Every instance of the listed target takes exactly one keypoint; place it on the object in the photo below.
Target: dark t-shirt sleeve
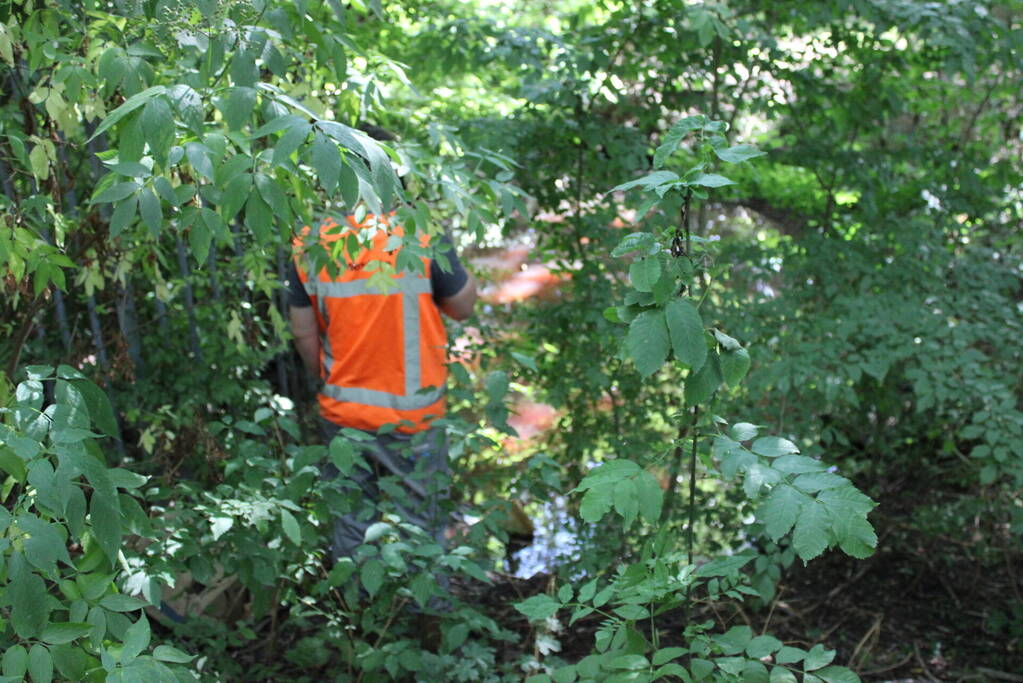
(447, 284)
(297, 296)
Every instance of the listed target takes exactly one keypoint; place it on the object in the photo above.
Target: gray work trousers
(419, 463)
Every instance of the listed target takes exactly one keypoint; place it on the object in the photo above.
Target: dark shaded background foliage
(870, 263)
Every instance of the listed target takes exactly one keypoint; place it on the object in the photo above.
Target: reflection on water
(557, 540)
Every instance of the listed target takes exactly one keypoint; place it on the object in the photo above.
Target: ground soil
(924, 607)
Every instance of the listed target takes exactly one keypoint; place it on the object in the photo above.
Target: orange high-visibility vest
(383, 353)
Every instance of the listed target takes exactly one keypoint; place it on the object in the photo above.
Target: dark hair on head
(376, 132)
(380, 135)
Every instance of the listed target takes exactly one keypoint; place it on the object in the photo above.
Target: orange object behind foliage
(535, 281)
(511, 279)
(530, 418)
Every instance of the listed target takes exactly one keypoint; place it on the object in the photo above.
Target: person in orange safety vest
(379, 351)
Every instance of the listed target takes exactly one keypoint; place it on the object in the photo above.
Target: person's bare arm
(460, 304)
(307, 337)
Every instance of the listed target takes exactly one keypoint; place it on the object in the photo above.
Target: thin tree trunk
(284, 358)
(246, 294)
(127, 320)
(97, 333)
(193, 329)
(211, 265)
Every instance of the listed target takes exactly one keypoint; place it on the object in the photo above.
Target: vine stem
(692, 487)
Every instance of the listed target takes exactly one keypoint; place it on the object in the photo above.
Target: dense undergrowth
(778, 319)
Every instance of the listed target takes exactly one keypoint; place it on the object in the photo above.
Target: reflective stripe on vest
(410, 287)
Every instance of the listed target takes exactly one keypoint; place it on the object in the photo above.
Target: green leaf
(130, 105)
(524, 360)
(647, 342)
(789, 655)
(59, 634)
(626, 500)
(848, 508)
(238, 108)
(26, 592)
(723, 566)
(244, 70)
(496, 386)
(674, 137)
(596, 503)
(734, 640)
(158, 127)
(136, 639)
(728, 343)
(259, 218)
(105, 514)
(648, 181)
(738, 153)
(123, 215)
(565, 674)
(588, 590)
(734, 366)
(291, 528)
(149, 209)
(818, 657)
(780, 674)
(188, 104)
(12, 465)
(608, 473)
(820, 481)
(131, 139)
(15, 662)
(701, 668)
(119, 602)
(166, 653)
(538, 607)
(199, 157)
(666, 654)
(837, 674)
(780, 510)
(773, 446)
(43, 544)
(93, 586)
(651, 497)
(701, 385)
(629, 662)
(200, 237)
(644, 273)
(40, 664)
(455, 635)
(131, 169)
(372, 575)
(165, 190)
(273, 195)
(797, 464)
(643, 242)
(349, 183)
(686, 330)
(744, 431)
(292, 139)
(39, 162)
(810, 537)
(326, 159)
(754, 672)
(710, 180)
(762, 646)
(116, 193)
(236, 192)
